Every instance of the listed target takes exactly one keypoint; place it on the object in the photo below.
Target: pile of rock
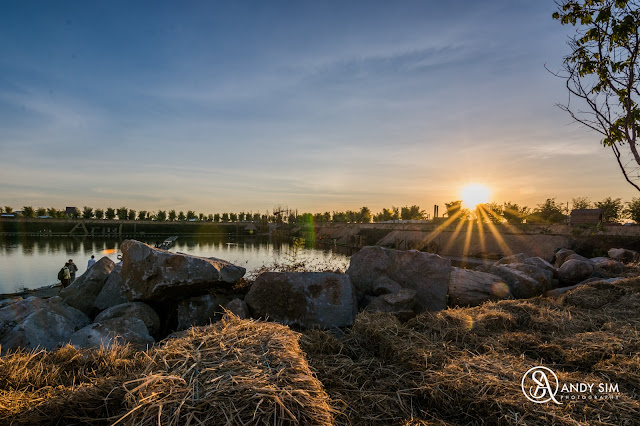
(156, 292)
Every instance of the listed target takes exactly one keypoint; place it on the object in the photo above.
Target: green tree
(172, 215)
(412, 213)
(99, 213)
(181, 216)
(611, 209)
(122, 213)
(340, 217)
(201, 216)
(225, 217)
(233, 217)
(602, 73)
(87, 212)
(53, 212)
(387, 214)
(110, 213)
(513, 213)
(41, 211)
(210, 217)
(131, 215)
(8, 209)
(161, 215)
(143, 215)
(28, 211)
(489, 212)
(365, 215)
(550, 211)
(191, 214)
(216, 217)
(455, 210)
(633, 210)
(580, 203)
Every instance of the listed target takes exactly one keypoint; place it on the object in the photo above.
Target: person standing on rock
(72, 270)
(66, 275)
(91, 261)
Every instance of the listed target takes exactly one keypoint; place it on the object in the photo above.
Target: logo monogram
(537, 387)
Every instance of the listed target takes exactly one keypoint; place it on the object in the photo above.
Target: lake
(32, 262)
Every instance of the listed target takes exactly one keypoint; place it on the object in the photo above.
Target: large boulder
(472, 288)
(239, 308)
(540, 263)
(607, 265)
(202, 310)
(624, 255)
(82, 293)
(561, 256)
(39, 323)
(425, 273)
(305, 299)
(574, 271)
(112, 293)
(115, 331)
(139, 310)
(521, 284)
(158, 275)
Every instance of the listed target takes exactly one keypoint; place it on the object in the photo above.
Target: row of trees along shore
(551, 211)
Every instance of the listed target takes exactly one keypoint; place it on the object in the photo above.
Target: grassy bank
(458, 366)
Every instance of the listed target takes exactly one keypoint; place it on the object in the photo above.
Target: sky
(219, 106)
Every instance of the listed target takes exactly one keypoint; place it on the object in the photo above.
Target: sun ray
(467, 239)
(453, 236)
(492, 228)
(434, 234)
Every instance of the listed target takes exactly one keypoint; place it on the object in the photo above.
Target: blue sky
(320, 105)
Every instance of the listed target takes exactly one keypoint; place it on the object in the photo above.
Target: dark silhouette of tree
(110, 213)
(99, 213)
(87, 212)
(172, 215)
(28, 211)
(611, 209)
(122, 213)
(513, 213)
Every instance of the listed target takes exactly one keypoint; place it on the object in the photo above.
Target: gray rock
(158, 275)
(139, 310)
(239, 308)
(521, 285)
(202, 310)
(472, 288)
(305, 299)
(113, 292)
(385, 285)
(115, 331)
(514, 258)
(35, 322)
(539, 262)
(400, 303)
(426, 273)
(607, 266)
(574, 271)
(543, 276)
(577, 257)
(624, 255)
(561, 256)
(83, 291)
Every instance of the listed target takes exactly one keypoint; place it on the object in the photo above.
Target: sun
(474, 194)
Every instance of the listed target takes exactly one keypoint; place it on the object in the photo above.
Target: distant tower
(435, 211)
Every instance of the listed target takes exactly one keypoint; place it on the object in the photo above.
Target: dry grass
(459, 366)
(464, 365)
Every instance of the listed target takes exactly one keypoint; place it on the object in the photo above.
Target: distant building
(71, 211)
(586, 217)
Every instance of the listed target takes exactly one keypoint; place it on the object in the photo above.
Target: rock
(577, 257)
(400, 303)
(556, 292)
(139, 310)
(540, 263)
(202, 310)
(35, 322)
(385, 285)
(543, 276)
(239, 308)
(574, 271)
(305, 299)
(521, 285)
(112, 293)
(607, 266)
(514, 258)
(624, 255)
(561, 256)
(426, 273)
(83, 291)
(115, 331)
(158, 275)
(472, 288)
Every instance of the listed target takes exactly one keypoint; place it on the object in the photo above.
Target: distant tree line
(551, 211)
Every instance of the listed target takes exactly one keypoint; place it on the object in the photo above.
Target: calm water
(34, 262)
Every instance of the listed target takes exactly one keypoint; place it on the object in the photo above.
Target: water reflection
(35, 261)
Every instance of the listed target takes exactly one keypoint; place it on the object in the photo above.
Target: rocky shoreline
(155, 293)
